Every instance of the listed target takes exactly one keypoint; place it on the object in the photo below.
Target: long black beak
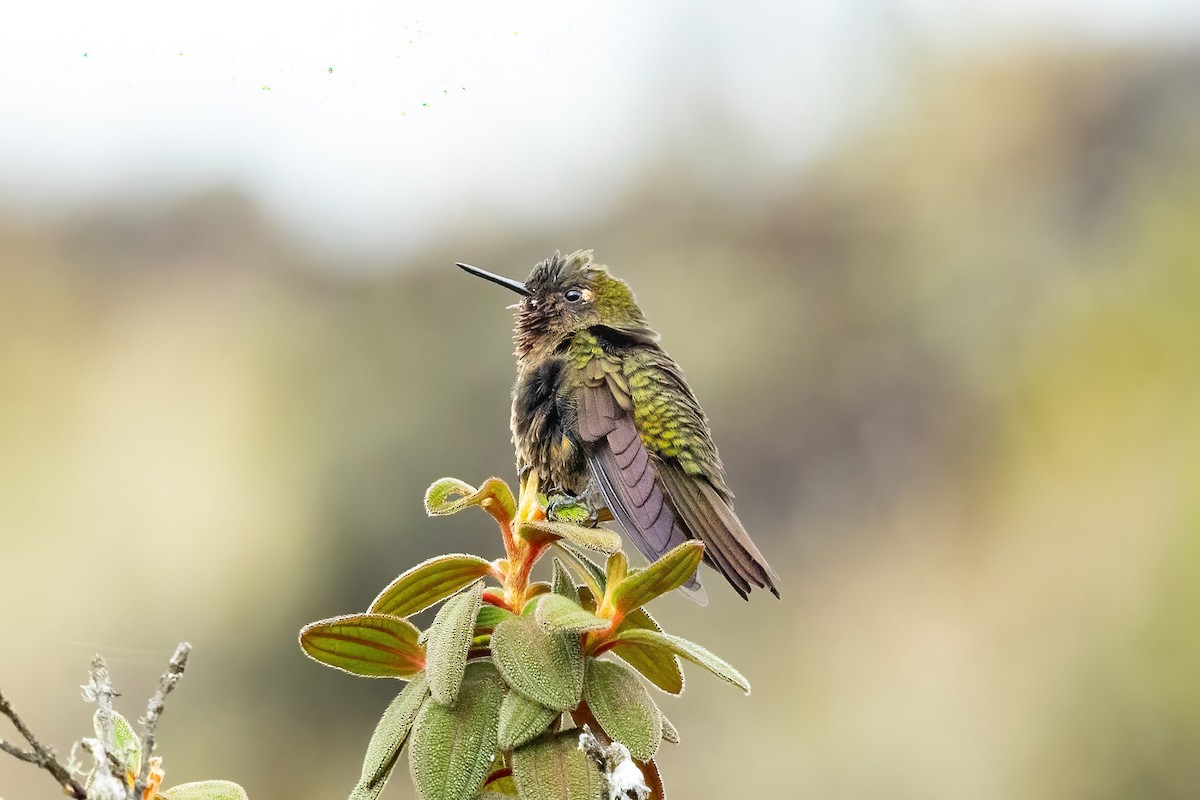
(507, 283)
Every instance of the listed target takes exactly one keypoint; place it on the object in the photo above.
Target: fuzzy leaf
(448, 641)
(125, 745)
(685, 649)
(453, 746)
(670, 734)
(616, 568)
(601, 539)
(390, 734)
(563, 584)
(504, 786)
(490, 616)
(623, 707)
(450, 495)
(589, 572)
(533, 591)
(533, 595)
(205, 790)
(555, 768)
(521, 719)
(544, 667)
(669, 572)
(660, 667)
(430, 582)
(556, 613)
(370, 645)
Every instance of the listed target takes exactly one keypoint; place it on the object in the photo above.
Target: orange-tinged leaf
(370, 645)
(671, 571)
(430, 582)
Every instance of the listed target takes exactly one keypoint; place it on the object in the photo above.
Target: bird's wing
(675, 430)
(621, 465)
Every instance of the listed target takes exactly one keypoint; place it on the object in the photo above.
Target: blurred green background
(950, 350)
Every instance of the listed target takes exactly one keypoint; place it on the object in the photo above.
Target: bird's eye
(573, 295)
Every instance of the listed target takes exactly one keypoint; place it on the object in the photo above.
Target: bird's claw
(562, 507)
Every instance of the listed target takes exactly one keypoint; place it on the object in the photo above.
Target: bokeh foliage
(950, 364)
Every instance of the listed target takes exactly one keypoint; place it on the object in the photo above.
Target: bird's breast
(543, 424)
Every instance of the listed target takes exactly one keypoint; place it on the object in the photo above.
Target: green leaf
(685, 649)
(563, 583)
(671, 571)
(388, 739)
(503, 786)
(555, 768)
(450, 495)
(589, 572)
(430, 582)
(557, 614)
(623, 707)
(616, 568)
(490, 616)
(660, 667)
(544, 667)
(533, 595)
(125, 744)
(601, 539)
(670, 734)
(453, 746)
(370, 645)
(521, 719)
(205, 790)
(448, 641)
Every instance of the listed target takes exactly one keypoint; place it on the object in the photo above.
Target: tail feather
(711, 519)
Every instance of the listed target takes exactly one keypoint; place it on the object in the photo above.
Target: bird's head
(566, 294)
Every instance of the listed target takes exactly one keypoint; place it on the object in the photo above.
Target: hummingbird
(603, 414)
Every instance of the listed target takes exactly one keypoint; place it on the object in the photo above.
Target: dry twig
(100, 689)
(154, 709)
(41, 756)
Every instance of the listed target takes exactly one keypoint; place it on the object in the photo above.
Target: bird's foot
(563, 507)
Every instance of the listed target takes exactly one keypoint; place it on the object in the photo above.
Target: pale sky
(368, 123)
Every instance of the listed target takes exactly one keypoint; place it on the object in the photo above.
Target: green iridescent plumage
(601, 411)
